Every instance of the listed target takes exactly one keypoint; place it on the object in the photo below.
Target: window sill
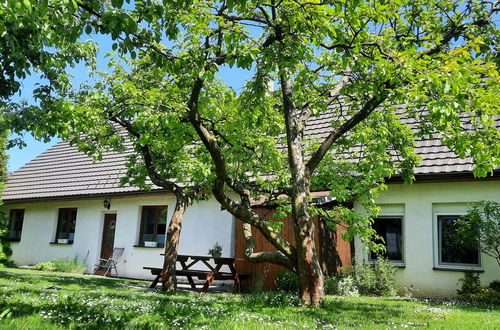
(459, 269)
(55, 243)
(14, 240)
(148, 247)
(397, 264)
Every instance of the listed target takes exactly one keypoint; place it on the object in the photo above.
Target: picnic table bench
(213, 273)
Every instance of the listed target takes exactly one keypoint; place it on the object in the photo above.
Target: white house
(62, 204)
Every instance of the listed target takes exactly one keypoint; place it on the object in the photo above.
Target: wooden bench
(208, 275)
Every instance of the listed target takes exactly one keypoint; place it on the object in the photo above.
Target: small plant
(495, 285)
(47, 266)
(287, 281)
(216, 250)
(70, 265)
(331, 284)
(258, 281)
(67, 265)
(347, 287)
(377, 279)
(470, 283)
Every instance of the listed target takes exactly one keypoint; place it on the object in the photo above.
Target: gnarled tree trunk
(183, 200)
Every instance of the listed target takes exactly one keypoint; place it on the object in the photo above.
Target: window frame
(401, 262)
(11, 220)
(438, 242)
(59, 226)
(159, 209)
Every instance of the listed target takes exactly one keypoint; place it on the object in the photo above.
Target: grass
(48, 300)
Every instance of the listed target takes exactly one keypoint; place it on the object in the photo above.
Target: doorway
(108, 235)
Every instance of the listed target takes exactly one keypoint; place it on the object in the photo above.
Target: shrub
(287, 281)
(5, 250)
(347, 287)
(70, 265)
(47, 266)
(66, 265)
(495, 285)
(332, 285)
(482, 295)
(377, 279)
(470, 283)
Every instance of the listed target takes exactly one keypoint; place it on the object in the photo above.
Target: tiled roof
(64, 172)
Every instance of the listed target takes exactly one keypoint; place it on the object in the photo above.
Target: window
(66, 223)
(390, 229)
(16, 224)
(451, 250)
(153, 225)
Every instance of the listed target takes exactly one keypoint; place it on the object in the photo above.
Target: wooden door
(108, 235)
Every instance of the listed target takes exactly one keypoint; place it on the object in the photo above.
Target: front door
(108, 235)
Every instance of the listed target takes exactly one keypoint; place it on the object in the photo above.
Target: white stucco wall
(204, 224)
(419, 205)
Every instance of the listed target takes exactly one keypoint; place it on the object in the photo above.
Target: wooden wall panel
(332, 250)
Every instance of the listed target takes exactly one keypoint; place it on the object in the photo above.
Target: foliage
(287, 281)
(38, 36)
(470, 283)
(216, 250)
(351, 63)
(87, 302)
(483, 295)
(480, 228)
(47, 266)
(65, 265)
(495, 285)
(5, 250)
(378, 278)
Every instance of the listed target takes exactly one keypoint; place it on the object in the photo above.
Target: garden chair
(108, 265)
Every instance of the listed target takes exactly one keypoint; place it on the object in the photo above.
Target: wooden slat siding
(331, 259)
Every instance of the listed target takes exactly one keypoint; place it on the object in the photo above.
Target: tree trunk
(311, 289)
(172, 242)
(308, 267)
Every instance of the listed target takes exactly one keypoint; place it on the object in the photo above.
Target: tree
(5, 250)
(480, 228)
(36, 36)
(379, 73)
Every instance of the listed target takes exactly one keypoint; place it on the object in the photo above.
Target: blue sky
(18, 157)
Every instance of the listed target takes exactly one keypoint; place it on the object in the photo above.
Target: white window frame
(400, 263)
(437, 247)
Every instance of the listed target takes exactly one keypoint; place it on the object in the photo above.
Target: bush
(470, 283)
(375, 279)
(331, 285)
(5, 250)
(47, 266)
(66, 265)
(482, 295)
(70, 265)
(287, 281)
(495, 285)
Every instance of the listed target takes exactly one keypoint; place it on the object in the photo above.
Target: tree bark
(172, 242)
(311, 289)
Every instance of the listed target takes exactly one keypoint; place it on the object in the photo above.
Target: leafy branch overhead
(375, 76)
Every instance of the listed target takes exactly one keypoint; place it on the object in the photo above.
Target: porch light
(107, 204)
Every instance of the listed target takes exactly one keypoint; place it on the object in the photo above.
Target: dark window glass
(391, 231)
(452, 250)
(16, 224)
(153, 224)
(66, 223)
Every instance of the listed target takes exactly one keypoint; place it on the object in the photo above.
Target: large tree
(376, 74)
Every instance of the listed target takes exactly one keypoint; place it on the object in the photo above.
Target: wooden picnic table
(213, 273)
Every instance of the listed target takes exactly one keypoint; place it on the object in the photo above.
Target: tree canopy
(377, 74)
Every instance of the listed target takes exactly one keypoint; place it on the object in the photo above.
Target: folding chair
(107, 265)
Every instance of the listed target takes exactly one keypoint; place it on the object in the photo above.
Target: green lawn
(28, 300)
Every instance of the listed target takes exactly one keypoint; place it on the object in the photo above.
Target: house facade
(64, 205)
